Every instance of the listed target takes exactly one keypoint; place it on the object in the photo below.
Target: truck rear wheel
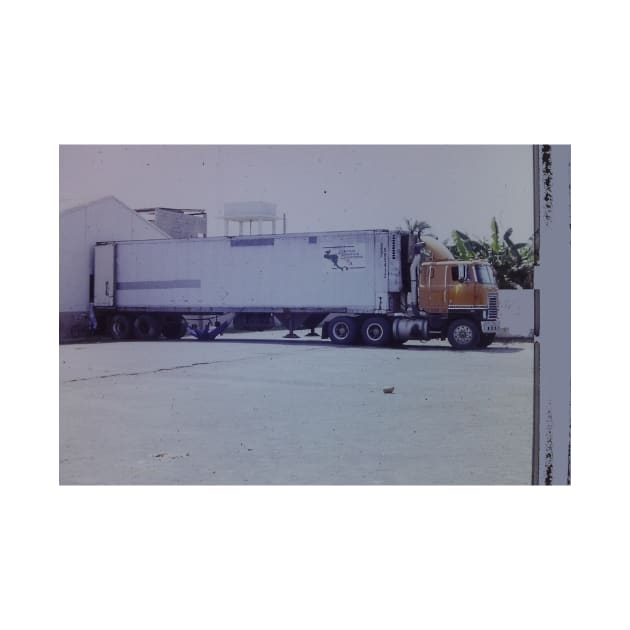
(120, 327)
(343, 330)
(146, 327)
(376, 331)
(463, 334)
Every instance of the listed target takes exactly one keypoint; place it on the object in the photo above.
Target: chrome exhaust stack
(412, 298)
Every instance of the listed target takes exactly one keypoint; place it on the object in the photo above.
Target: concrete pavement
(255, 408)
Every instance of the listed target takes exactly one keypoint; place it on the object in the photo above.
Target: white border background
(326, 72)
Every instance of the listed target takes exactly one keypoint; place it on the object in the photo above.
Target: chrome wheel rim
(463, 334)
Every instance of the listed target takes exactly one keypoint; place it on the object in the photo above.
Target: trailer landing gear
(291, 334)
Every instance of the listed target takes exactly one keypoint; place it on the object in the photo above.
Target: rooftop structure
(176, 222)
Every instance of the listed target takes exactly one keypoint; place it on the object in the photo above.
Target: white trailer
(354, 271)
(355, 284)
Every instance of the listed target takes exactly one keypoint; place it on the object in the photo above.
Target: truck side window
(459, 273)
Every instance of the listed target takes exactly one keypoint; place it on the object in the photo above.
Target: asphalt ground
(255, 408)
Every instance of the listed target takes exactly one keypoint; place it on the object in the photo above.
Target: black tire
(376, 331)
(146, 327)
(463, 334)
(343, 331)
(120, 327)
(486, 340)
(174, 327)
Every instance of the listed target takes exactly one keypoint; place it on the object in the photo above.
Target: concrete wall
(516, 313)
(79, 229)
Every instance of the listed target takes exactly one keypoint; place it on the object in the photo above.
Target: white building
(80, 228)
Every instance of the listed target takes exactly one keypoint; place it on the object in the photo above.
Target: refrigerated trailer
(377, 287)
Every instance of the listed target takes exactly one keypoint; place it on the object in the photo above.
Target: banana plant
(513, 262)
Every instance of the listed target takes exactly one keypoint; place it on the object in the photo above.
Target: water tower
(244, 212)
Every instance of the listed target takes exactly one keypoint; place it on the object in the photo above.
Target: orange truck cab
(449, 299)
(460, 301)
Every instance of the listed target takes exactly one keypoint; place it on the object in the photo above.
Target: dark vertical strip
(536, 312)
(536, 423)
(536, 207)
(114, 275)
(547, 171)
(536, 366)
(569, 465)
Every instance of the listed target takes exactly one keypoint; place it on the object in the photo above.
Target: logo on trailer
(344, 257)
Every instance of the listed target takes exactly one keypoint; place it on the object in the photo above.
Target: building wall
(79, 229)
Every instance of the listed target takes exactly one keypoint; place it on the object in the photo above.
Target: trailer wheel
(376, 331)
(146, 327)
(486, 339)
(120, 327)
(174, 327)
(463, 334)
(343, 331)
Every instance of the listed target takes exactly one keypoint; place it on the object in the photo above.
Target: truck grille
(492, 306)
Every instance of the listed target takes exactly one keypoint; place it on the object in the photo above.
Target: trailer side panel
(343, 270)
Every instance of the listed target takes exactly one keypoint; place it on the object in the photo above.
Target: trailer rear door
(104, 257)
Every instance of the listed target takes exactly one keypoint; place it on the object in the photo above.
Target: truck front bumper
(488, 328)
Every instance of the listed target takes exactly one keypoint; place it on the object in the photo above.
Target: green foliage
(513, 262)
(416, 227)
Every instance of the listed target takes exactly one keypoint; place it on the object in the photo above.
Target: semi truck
(372, 287)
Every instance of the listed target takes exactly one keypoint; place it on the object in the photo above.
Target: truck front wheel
(486, 339)
(343, 331)
(376, 331)
(463, 334)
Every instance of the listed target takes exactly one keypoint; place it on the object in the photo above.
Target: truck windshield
(485, 274)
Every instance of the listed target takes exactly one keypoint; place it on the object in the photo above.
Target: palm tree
(413, 226)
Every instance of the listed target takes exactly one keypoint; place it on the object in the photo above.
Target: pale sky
(319, 188)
